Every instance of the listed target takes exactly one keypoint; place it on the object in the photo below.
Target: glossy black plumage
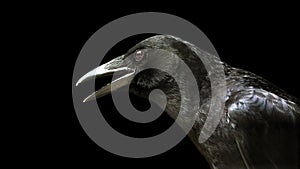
(259, 126)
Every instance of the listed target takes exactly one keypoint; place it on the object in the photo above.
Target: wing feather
(266, 129)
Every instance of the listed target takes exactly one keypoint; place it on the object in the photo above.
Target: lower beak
(108, 69)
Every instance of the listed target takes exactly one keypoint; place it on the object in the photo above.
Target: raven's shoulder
(238, 79)
(259, 104)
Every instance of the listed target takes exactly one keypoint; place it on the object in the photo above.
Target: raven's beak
(116, 65)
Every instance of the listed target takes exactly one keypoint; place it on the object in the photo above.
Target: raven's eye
(139, 55)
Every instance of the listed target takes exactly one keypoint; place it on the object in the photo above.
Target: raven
(259, 124)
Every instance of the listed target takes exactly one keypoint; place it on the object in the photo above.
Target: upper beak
(108, 69)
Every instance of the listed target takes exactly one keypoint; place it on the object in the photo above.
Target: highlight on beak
(108, 69)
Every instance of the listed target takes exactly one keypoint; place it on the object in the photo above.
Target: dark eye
(139, 55)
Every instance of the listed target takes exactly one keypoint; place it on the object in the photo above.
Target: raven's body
(258, 128)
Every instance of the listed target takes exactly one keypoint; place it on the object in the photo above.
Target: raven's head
(162, 52)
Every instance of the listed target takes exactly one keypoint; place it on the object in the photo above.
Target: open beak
(116, 65)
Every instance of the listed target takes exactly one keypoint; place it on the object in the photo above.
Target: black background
(260, 38)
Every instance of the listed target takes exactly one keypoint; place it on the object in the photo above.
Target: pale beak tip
(85, 100)
(80, 80)
(89, 98)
